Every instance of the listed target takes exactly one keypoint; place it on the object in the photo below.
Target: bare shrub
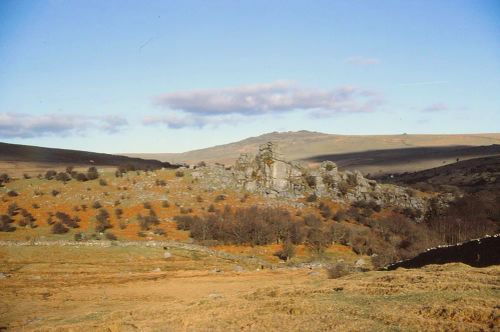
(102, 221)
(50, 174)
(220, 198)
(118, 213)
(67, 220)
(337, 270)
(159, 231)
(92, 173)
(82, 177)
(311, 181)
(312, 198)
(325, 210)
(5, 223)
(13, 209)
(286, 252)
(145, 222)
(59, 228)
(79, 237)
(63, 177)
(12, 193)
(161, 183)
(184, 210)
(110, 236)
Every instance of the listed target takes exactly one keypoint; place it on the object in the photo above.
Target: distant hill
(15, 154)
(470, 175)
(391, 161)
(312, 147)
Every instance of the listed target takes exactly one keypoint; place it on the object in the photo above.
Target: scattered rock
(215, 296)
(167, 254)
(360, 263)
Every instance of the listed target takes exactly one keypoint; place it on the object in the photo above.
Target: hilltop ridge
(308, 146)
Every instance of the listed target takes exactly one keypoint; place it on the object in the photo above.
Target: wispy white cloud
(438, 107)
(269, 98)
(423, 83)
(176, 121)
(22, 125)
(362, 61)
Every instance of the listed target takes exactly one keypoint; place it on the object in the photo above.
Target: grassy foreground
(136, 288)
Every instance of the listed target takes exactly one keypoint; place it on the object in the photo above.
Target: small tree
(50, 174)
(102, 221)
(59, 228)
(92, 173)
(286, 252)
(5, 223)
(81, 177)
(118, 213)
(63, 176)
(12, 193)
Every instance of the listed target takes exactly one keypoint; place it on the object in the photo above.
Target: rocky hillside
(270, 174)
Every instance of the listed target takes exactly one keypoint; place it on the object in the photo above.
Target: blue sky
(170, 76)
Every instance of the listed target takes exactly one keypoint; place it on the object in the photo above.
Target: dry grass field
(80, 288)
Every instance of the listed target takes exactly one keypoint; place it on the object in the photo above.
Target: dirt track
(135, 288)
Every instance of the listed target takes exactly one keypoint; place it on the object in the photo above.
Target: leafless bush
(59, 228)
(5, 223)
(92, 173)
(311, 181)
(219, 198)
(102, 221)
(312, 198)
(159, 231)
(286, 252)
(110, 236)
(12, 193)
(337, 270)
